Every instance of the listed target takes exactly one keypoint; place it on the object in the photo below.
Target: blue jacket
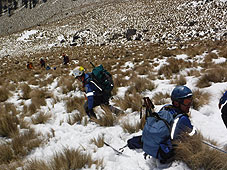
(91, 90)
(181, 122)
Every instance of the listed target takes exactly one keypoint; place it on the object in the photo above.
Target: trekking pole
(92, 64)
(206, 143)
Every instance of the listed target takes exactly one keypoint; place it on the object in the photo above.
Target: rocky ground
(113, 23)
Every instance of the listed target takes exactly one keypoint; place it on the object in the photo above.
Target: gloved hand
(91, 114)
(222, 99)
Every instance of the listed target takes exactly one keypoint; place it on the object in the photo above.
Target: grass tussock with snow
(198, 155)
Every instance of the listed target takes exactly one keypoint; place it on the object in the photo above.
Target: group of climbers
(65, 61)
(174, 116)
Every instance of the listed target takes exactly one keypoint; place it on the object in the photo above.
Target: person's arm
(182, 125)
(224, 114)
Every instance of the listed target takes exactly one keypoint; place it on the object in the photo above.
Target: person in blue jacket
(182, 98)
(94, 95)
(223, 108)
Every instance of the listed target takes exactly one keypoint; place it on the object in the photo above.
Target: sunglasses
(187, 101)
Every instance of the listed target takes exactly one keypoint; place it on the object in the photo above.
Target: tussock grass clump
(68, 159)
(8, 121)
(200, 99)
(66, 83)
(194, 73)
(198, 155)
(4, 93)
(133, 128)
(140, 84)
(25, 91)
(120, 81)
(173, 67)
(25, 142)
(77, 118)
(6, 154)
(38, 97)
(107, 118)
(179, 80)
(75, 103)
(46, 82)
(161, 98)
(133, 101)
(213, 75)
(99, 142)
(41, 118)
(31, 108)
(19, 147)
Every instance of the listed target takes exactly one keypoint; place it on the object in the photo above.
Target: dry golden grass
(66, 83)
(161, 98)
(38, 97)
(174, 66)
(41, 118)
(8, 121)
(25, 91)
(47, 81)
(179, 80)
(23, 144)
(194, 73)
(198, 155)
(78, 118)
(68, 159)
(107, 118)
(133, 128)
(119, 81)
(200, 99)
(15, 150)
(31, 108)
(213, 75)
(140, 85)
(133, 101)
(4, 94)
(6, 154)
(75, 103)
(99, 142)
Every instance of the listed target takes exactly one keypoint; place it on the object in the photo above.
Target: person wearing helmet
(94, 95)
(175, 117)
(223, 106)
(181, 97)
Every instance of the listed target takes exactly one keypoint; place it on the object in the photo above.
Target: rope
(212, 146)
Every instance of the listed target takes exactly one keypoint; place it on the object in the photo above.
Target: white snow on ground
(207, 119)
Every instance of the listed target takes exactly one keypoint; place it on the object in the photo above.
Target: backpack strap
(92, 80)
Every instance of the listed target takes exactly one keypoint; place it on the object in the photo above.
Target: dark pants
(224, 114)
(98, 100)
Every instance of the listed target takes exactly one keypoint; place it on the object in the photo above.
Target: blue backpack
(156, 136)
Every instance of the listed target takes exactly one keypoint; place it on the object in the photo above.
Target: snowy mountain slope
(105, 28)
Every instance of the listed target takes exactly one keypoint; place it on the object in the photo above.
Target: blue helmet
(180, 92)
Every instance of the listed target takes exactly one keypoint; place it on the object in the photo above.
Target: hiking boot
(91, 114)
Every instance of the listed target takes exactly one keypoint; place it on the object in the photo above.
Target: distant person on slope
(65, 59)
(179, 124)
(223, 102)
(42, 63)
(29, 65)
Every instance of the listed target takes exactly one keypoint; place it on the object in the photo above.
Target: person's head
(78, 72)
(181, 97)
